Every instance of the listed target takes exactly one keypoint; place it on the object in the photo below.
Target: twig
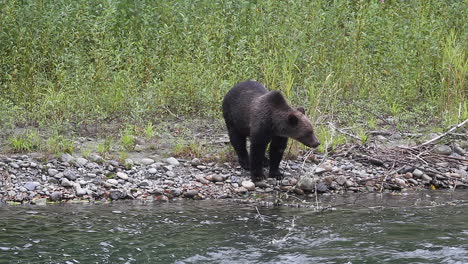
(261, 216)
(344, 132)
(443, 135)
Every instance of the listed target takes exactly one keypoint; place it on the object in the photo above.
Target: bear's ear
(293, 119)
(301, 109)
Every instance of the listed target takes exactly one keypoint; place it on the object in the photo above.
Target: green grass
(58, 144)
(98, 61)
(25, 142)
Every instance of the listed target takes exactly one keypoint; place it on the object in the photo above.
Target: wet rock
(250, 186)
(116, 195)
(322, 187)
(172, 161)
(55, 196)
(190, 193)
(122, 175)
(442, 150)
(146, 161)
(306, 183)
(31, 186)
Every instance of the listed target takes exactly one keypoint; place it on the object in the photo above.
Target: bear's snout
(311, 141)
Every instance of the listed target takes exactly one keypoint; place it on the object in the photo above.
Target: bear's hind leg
(238, 142)
(277, 147)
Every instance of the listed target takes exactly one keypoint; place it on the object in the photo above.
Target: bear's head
(300, 128)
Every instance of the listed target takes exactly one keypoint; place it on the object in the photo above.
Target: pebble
(306, 183)
(262, 184)
(217, 178)
(81, 161)
(172, 161)
(152, 170)
(69, 174)
(341, 180)
(170, 174)
(116, 195)
(322, 187)
(426, 177)
(248, 185)
(195, 162)
(66, 157)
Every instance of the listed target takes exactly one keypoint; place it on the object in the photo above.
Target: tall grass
(89, 61)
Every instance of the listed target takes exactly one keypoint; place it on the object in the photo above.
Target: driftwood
(443, 135)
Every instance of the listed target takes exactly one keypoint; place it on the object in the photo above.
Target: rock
(341, 180)
(306, 184)
(112, 182)
(143, 184)
(66, 183)
(152, 170)
(349, 183)
(146, 161)
(52, 172)
(417, 173)
(116, 195)
(250, 186)
(443, 150)
(322, 187)
(195, 162)
(122, 175)
(128, 163)
(81, 161)
(69, 174)
(262, 184)
(400, 182)
(426, 177)
(217, 178)
(172, 161)
(66, 157)
(190, 193)
(459, 150)
(241, 189)
(55, 196)
(31, 186)
(80, 192)
(170, 174)
(323, 168)
(96, 158)
(405, 169)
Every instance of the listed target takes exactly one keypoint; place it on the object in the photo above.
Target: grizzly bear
(250, 110)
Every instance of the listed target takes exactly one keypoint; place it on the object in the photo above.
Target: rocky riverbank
(379, 166)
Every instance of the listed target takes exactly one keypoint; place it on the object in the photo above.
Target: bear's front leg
(258, 146)
(277, 147)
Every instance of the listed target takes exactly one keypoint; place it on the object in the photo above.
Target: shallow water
(413, 228)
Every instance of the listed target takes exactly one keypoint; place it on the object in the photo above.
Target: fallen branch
(344, 132)
(443, 135)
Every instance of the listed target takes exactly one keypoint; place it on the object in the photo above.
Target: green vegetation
(24, 142)
(99, 61)
(58, 144)
(104, 147)
(127, 138)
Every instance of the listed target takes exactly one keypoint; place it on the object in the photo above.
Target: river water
(427, 227)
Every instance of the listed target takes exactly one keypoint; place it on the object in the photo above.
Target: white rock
(250, 186)
(146, 161)
(172, 161)
(152, 170)
(52, 172)
(122, 175)
(112, 181)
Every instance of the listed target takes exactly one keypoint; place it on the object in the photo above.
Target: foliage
(25, 142)
(58, 144)
(73, 61)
